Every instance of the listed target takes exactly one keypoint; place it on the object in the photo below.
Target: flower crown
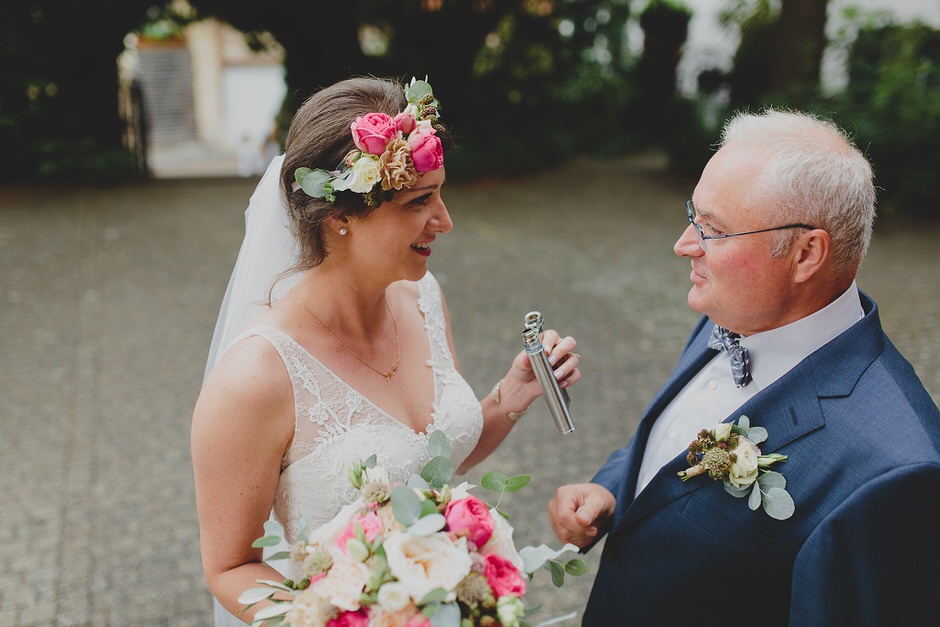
(390, 152)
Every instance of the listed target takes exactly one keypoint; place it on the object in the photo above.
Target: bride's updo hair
(320, 137)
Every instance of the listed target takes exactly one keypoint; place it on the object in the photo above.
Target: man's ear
(811, 253)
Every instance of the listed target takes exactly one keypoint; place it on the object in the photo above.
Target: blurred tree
(493, 63)
(59, 87)
(800, 42)
(438, 39)
(665, 25)
(501, 68)
(749, 78)
(892, 105)
(780, 51)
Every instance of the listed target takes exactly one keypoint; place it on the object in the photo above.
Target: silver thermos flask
(556, 398)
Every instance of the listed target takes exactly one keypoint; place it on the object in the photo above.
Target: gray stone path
(107, 303)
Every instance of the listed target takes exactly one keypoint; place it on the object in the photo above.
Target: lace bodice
(335, 425)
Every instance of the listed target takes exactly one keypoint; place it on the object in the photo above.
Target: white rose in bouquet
(423, 563)
(343, 583)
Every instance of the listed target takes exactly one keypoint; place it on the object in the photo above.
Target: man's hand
(580, 512)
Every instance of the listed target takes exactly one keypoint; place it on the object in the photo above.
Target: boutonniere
(729, 453)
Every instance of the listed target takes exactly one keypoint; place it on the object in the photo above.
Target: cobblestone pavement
(108, 302)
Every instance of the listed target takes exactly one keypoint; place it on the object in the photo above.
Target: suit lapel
(692, 360)
(788, 409)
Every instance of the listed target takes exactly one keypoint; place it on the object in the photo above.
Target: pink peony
(503, 577)
(470, 517)
(371, 526)
(405, 122)
(418, 621)
(427, 153)
(372, 132)
(350, 619)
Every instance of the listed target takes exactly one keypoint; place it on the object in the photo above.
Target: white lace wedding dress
(336, 425)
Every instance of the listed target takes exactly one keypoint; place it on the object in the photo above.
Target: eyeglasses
(703, 241)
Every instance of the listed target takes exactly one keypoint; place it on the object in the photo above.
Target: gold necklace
(388, 374)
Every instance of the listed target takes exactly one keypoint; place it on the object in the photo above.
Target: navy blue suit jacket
(863, 547)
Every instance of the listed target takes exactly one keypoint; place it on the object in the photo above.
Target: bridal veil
(268, 249)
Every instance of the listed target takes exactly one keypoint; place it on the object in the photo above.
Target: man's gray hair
(815, 175)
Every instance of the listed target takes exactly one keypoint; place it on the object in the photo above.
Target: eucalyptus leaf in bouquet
(423, 554)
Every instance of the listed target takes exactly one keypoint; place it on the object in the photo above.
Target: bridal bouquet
(418, 555)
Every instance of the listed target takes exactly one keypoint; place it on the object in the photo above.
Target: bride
(333, 341)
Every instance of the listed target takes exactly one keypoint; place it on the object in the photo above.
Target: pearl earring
(343, 231)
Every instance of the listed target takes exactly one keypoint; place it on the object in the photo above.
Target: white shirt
(711, 395)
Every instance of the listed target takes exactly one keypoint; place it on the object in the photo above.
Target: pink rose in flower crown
(503, 576)
(372, 132)
(427, 153)
(350, 619)
(405, 122)
(470, 517)
(371, 526)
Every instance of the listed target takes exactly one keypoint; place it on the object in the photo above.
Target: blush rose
(470, 517)
(372, 132)
(405, 121)
(350, 619)
(503, 576)
(371, 526)
(427, 153)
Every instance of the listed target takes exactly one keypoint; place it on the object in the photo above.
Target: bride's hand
(561, 355)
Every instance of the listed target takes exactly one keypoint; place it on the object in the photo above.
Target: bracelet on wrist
(514, 416)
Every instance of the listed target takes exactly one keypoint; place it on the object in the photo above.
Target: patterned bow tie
(723, 339)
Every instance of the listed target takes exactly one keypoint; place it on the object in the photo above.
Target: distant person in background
(249, 157)
(846, 532)
(354, 357)
(269, 149)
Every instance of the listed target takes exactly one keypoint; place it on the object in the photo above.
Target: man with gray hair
(827, 436)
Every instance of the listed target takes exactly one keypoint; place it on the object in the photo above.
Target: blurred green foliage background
(525, 84)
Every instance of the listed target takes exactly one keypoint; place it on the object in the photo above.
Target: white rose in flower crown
(501, 543)
(744, 472)
(423, 563)
(361, 177)
(344, 582)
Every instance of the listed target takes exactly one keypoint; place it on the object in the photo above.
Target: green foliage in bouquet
(423, 554)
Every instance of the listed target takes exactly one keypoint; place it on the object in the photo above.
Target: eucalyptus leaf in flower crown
(390, 152)
(417, 555)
